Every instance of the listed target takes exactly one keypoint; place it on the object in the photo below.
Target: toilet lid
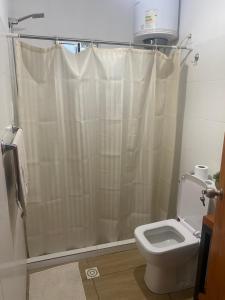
(189, 207)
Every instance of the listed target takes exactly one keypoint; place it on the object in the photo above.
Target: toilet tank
(189, 206)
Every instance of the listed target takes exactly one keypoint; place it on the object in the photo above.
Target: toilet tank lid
(189, 206)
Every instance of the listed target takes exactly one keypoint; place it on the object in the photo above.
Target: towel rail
(9, 146)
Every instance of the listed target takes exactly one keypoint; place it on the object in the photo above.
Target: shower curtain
(100, 131)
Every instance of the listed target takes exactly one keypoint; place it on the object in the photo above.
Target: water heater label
(150, 19)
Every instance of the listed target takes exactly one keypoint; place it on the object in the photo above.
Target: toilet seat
(185, 238)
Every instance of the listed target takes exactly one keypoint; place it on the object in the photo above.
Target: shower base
(78, 254)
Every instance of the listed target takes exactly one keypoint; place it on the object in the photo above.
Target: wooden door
(215, 280)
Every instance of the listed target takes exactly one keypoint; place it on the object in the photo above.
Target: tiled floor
(121, 278)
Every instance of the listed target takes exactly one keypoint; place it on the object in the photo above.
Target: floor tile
(83, 265)
(122, 277)
(116, 262)
(139, 273)
(90, 290)
(123, 285)
(183, 295)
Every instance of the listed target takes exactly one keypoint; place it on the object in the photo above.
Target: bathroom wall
(204, 117)
(101, 19)
(12, 246)
(5, 80)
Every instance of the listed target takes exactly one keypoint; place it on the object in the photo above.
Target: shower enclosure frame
(97, 42)
(76, 254)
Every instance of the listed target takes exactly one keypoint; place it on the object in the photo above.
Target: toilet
(170, 247)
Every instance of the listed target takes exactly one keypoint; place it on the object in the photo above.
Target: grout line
(116, 272)
(170, 296)
(112, 253)
(96, 290)
(191, 117)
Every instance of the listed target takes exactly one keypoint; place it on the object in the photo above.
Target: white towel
(22, 171)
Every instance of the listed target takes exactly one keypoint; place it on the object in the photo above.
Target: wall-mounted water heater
(156, 20)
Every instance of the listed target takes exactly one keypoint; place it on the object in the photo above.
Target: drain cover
(92, 273)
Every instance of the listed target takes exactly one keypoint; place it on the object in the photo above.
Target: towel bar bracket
(6, 146)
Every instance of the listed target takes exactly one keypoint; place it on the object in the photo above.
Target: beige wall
(5, 80)
(204, 117)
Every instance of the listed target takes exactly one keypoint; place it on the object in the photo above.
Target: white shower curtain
(100, 130)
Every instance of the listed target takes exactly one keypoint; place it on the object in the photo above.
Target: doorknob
(211, 193)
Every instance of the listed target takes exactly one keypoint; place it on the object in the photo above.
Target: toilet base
(162, 280)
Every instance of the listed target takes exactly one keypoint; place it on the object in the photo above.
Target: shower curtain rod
(92, 41)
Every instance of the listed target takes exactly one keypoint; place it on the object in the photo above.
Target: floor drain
(92, 273)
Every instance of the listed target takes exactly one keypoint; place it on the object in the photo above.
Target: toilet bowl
(170, 247)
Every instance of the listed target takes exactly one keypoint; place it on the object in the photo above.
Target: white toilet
(171, 247)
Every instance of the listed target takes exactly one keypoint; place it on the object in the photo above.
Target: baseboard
(55, 259)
